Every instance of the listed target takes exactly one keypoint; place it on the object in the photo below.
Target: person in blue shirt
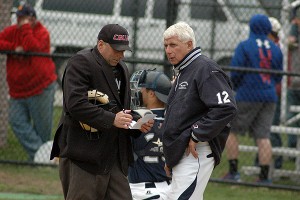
(255, 95)
(147, 177)
(275, 138)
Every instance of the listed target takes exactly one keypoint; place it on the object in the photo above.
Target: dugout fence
(219, 26)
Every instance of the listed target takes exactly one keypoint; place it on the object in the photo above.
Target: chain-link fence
(219, 26)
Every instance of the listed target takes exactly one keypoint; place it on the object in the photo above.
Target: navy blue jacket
(201, 101)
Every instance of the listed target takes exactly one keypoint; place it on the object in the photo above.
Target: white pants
(190, 176)
(139, 191)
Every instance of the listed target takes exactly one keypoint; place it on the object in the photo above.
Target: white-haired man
(199, 109)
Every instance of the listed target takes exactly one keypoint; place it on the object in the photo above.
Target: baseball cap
(25, 10)
(158, 82)
(116, 36)
(276, 26)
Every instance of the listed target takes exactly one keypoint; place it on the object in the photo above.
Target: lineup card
(146, 118)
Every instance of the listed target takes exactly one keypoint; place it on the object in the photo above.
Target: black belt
(152, 184)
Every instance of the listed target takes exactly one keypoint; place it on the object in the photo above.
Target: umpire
(94, 161)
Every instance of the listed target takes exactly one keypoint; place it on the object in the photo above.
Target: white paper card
(138, 125)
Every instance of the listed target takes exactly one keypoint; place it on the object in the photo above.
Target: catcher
(147, 177)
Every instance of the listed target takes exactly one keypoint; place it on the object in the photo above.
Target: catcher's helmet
(150, 79)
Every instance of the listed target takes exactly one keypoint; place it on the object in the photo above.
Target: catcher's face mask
(136, 95)
(149, 79)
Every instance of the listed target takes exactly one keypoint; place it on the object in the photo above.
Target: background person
(94, 157)
(275, 138)
(147, 176)
(293, 92)
(255, 95)
(199, 108)
(31, 80)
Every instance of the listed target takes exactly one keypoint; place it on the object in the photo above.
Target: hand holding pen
(123, 119)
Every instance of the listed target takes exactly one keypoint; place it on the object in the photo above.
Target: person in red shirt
(31, 79)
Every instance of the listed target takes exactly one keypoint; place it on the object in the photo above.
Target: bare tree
(5, 13)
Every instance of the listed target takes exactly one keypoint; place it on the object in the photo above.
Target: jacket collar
(190, 57)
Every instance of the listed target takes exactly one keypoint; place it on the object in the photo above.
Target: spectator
(93, 137)
(255, 95)
(276, 140)
(199, 108)
(293, 92)
(274, 34)
(147, 176)
(31, 80)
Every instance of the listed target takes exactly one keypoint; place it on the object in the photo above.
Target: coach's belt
(150, 185)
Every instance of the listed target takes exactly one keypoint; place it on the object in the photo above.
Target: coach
(199, 108)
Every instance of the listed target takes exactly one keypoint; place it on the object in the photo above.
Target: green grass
(247, 159)
(27, 182)
(217, 191)
(34, 182)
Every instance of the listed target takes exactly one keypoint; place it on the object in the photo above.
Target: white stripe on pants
(191, 170)
(139, 191)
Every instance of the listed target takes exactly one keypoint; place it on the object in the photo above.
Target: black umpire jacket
(93, 152)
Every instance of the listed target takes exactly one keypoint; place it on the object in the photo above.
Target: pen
(126, 111)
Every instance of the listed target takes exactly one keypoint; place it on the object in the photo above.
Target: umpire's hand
(123, 119)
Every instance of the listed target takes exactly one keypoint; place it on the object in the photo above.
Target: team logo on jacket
(159, 147)
(158, 142)
(183, 85)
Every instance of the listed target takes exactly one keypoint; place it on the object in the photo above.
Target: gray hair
(183, 31)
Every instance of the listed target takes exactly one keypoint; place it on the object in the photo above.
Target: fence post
(5, 7)
(172, 6)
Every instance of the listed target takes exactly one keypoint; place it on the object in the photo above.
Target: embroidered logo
(265, 61)
(120, 37)
(183, 85)
(158, 142)
(195, 126)
(159, 147)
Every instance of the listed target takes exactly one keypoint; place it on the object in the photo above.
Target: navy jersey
(148, 148)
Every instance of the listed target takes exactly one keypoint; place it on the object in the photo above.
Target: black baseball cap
(116, 35)
(25, 10)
